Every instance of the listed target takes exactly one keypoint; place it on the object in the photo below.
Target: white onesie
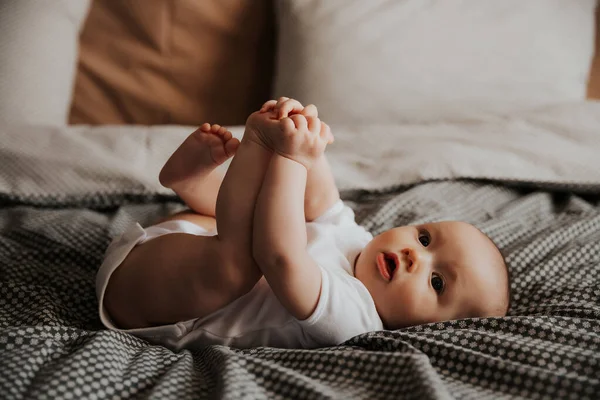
(345, 308)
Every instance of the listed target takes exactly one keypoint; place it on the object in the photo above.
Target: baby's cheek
(407, 305)
(415, 308)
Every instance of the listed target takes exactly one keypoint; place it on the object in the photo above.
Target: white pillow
(414, 60)
(38, 57)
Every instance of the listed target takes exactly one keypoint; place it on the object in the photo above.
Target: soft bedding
(66, 191)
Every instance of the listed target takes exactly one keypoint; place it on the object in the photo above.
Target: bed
(528, 176)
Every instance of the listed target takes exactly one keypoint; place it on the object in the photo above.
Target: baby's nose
(410, 258)
(414, 259)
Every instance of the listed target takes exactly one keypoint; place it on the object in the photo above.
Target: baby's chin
(395, 322)
(393, 327)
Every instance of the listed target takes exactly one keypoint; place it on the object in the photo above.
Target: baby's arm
(321, 191)
(279, 240)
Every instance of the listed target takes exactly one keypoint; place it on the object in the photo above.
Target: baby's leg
(190, 171)
(179, 276)
(171, 278)
(236, 202)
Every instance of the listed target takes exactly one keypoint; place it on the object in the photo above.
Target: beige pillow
(38, 57)
(411, 60)
(594, 83)
(174, 62)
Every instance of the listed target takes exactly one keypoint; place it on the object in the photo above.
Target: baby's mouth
(388, 264)
(391, 262)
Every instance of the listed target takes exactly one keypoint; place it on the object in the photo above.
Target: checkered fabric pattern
(53, 346)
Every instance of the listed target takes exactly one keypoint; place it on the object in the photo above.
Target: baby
(272, 257)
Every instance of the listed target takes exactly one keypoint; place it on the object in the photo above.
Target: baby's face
(433, 272)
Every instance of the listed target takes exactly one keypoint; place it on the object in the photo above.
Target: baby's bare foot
(200, 153)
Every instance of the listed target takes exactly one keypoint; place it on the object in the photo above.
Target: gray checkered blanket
(52, 344)
(66, 192)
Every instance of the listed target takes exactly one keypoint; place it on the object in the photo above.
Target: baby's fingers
(310, 111)
(288, 106)
(325, 133)
(314, 124)
(268, 106)
(300, 122)
(280, 101)
(287, 125)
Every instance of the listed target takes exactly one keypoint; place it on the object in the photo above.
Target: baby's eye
(437, 282)
(424, 238)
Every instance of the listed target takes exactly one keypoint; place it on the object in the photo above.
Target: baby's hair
(509, 294)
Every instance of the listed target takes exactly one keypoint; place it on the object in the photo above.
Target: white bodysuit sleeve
(345, 309)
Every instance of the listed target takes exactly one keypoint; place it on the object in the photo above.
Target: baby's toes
(224, 133)
(218, 153)
(231, 146)
(227, 135)
(215, 128)
(205, 127)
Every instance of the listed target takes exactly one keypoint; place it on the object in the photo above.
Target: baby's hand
(290, 129)
(303, 139)
(284, 107)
